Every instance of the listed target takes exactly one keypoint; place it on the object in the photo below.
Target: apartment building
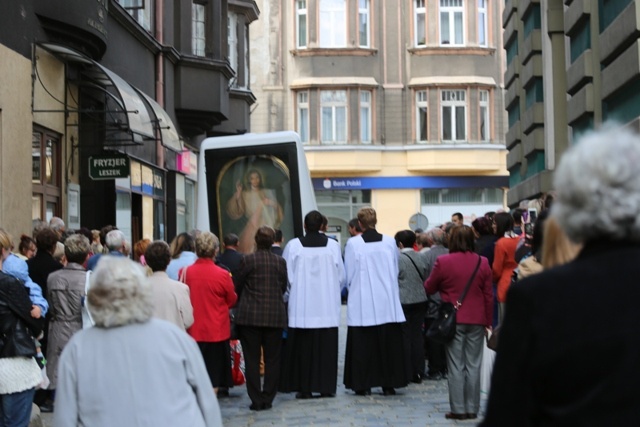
(115, 97)
(571, 66)
(399, 103)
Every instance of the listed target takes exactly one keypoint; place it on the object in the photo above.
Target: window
(451, 22)
(245, 81)
(454, 126)
(580, 40)
(363, 23)
(301, 23)
(333, 25)
(198, 29)
(462, 196)
(420, 23)
(533, 20)
(512, 49)
(365, 117)
(482, 22)
(333, 105)
(421, 116)
(485, 125)
(232, 42)
(141, 10)
(303, 116)
(45, 175)
(534, 92)
(513, 113)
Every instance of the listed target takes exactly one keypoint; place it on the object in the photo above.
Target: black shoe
(46, 407)
(366, 392)
(303, 395)
(266, 406)
(327, 395)
(417, 379)
(222, 393)
(388, 391)
(255, 407)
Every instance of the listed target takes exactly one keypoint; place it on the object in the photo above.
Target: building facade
(571, 66)
(399, 103)
(116, 96)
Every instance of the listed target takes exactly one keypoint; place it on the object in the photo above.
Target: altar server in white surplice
(374, 355)
(316, 276)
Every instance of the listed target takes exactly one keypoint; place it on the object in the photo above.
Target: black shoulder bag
(443, 328)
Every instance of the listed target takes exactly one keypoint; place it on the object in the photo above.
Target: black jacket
(17, 327)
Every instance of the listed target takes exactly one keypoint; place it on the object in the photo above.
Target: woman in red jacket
(450, 276)
(212, 295)
(504, 257)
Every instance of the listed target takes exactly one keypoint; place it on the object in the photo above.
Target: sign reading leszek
(109, 166)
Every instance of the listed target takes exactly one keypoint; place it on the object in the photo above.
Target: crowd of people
(538, 282)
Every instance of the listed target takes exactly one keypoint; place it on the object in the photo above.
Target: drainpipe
(159, 15)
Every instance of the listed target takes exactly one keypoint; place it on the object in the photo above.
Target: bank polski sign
(108, 166)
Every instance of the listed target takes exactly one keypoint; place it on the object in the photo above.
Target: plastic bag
(486, 369)
(237, 362)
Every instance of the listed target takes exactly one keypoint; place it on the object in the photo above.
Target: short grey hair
(207, 244)
(598, 187)
(119, 293)
(114, 240)
(76, 248)
(437, 236)
(56, 223)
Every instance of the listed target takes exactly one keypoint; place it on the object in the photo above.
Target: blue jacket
(18, 268)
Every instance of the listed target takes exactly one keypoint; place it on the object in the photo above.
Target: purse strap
(466, 288)
(414, 264)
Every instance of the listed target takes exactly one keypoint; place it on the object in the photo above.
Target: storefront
(397, 200)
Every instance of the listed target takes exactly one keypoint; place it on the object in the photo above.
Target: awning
(127, 110)
(168, 131)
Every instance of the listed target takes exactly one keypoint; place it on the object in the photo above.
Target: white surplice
(316, 276)
(372, 277)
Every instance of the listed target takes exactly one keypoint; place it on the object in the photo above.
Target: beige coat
(171, 300)
(65, 291)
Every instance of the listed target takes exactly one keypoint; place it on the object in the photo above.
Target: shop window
(45, 175)
(232, 41)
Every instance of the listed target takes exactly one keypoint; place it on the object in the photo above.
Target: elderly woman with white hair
(131, 369)
(569, 349)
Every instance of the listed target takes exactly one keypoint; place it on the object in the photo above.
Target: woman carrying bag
(450, 276)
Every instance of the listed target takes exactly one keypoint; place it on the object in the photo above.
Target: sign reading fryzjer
(108, 166)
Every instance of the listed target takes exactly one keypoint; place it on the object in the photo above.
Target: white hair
(119, 293)
(56, 223)
(598, 187)
(114, 240)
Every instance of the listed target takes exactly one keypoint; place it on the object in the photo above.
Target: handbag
(443, 328)
(492, 340)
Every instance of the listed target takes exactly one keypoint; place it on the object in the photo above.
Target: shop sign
(108, 166)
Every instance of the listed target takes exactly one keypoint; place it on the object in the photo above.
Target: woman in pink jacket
(449, 276)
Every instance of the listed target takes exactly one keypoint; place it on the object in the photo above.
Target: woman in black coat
(569, 352)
